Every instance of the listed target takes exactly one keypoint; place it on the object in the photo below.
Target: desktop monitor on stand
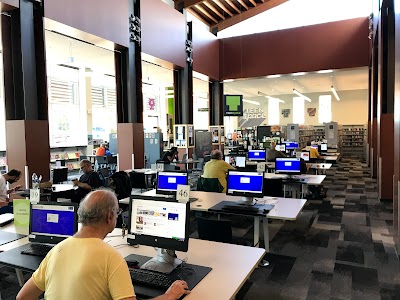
(245, 184)
(324, 147)
(289, 166)
(161, 224)
(167, 182)
(236, 161)
(257, 155)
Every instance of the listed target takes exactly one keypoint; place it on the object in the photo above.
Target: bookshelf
(318, 133)
(305, 134)
(70, 156)
(353, 139)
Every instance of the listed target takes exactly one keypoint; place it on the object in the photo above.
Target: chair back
(200, 164)
(273, 187)
(169, 167)
(101, 160)
(138, 180)
(194, 156)
(184, 157)
(209, 185)
(215, 230)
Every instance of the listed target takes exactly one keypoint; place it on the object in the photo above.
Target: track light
(269, 97)
(335, 93)
(301, 95)
(251, 102)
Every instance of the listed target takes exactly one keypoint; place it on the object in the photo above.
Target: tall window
(298, 110)
(325, 109)
(273, 112)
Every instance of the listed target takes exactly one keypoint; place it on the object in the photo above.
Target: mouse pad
(192, 274)
(8, 237)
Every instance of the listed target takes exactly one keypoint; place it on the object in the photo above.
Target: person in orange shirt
(101, 151)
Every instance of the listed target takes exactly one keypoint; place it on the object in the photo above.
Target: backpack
(121, 184)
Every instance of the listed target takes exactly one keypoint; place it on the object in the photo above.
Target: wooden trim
(233, 6)
(243, 4)
(247, 14)
(202, 10)
(214, 10)
(223, 7)
(187, 3)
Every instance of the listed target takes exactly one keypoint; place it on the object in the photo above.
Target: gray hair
(216, 154)
(85, 161)
(95, 207)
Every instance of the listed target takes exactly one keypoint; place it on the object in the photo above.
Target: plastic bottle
(35, 181)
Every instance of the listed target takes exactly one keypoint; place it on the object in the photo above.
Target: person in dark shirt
(170, 155)
(89, 181)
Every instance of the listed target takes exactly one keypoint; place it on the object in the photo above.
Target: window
(325, 109)
(273, 112)
(298, 110)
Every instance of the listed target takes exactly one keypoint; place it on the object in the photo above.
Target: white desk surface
(284, 208)
(331, 157)
(323, 166)
(145, 171)
(231, 264)
(312, 179)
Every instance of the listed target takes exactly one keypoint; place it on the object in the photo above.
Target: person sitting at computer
(170, 156)
(313, 152)
(101, 151)
(10, 177)
(84, 266)
(272, 154)
(217, 168)
(88, 181)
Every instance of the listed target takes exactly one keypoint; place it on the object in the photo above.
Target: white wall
(351, 109)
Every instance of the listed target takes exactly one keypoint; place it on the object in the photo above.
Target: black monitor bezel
(170, 193)
(159, 242)
(37, 238)
(291, 148)
(309, 155)
(244, 194)
(286, 172)
(237, 155)
(254, 159)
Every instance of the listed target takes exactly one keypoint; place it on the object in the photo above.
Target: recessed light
(228, 80)
(274, 76)
(325, 71)
(298, 73)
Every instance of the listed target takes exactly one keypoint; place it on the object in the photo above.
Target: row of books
(64, 155)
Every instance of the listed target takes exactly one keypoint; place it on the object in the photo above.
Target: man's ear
(110, 217)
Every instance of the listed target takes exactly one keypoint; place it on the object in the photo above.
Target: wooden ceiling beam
(198, 16)
(223, 7)
(233, 6)
(243, 4)
(203, 11)
(252, 2)
(187, 3)
(247, 14)
(214, 10)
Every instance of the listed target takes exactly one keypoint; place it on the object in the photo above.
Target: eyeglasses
(118, 211)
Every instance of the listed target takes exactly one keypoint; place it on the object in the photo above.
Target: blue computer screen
(257, 155)
(245, 182)
(55, 220)
(292, 145)
(168, 181)
(314, 146)
(287, 165)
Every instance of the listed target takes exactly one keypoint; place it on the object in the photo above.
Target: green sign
(22, 209)
(233, 105)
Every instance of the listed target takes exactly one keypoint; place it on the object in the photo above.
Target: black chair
(273, 187)
(101, 162)
(112, 163)
(60, 175)
(104, 174)
(215, 230)
(209, 185)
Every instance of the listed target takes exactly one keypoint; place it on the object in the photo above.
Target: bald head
(216, 154)
(96, 206)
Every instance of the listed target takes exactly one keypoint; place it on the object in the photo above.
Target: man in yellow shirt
(217, 168)
(84, 266)
(313, 152)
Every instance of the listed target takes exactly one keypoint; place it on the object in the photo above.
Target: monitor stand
(247, 201)
(164, 262)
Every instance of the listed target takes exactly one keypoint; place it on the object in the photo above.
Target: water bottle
(35, 181)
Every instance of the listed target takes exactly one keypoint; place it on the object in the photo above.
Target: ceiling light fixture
(269, 97)
(335, 93)
(274, 76)
(228, 80)
(301, 95)
(298, 73)
(324, 71)
(251, 102)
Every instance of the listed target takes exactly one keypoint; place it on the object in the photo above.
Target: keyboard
(241, 209)
(150, 278)
(192, 199)
(37, 249)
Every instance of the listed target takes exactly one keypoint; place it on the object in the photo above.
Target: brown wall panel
(130, 141)
(386, 153)
(375, 147)
(205, 52)
(334, 45)
(14, 3)
(163, 32)
(106, 19)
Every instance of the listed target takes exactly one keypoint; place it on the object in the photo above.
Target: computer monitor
(291, 145)
(324, 147)
(257, 155)
(236, 161)
(280, 147)
(60, 175)
(167, 182)
(245, 184)
(52, 222)
(290, 166)
(162, 224)
(305, 155)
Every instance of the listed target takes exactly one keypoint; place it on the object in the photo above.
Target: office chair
(209, 185)
(112, 163)
(101, 162)
(104, 174)
(273, 187)
(184, 157)
(200, 165)
(60, 175)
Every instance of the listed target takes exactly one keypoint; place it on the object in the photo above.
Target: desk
(331, 158)
(320, 167)
(231, 264)
(284, 208)
(185, 162)
(55, 188)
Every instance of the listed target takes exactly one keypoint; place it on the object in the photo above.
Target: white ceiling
(60, 49)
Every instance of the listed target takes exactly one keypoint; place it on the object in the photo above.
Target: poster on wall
(312, 111)
(286, 112)
(233, 105)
